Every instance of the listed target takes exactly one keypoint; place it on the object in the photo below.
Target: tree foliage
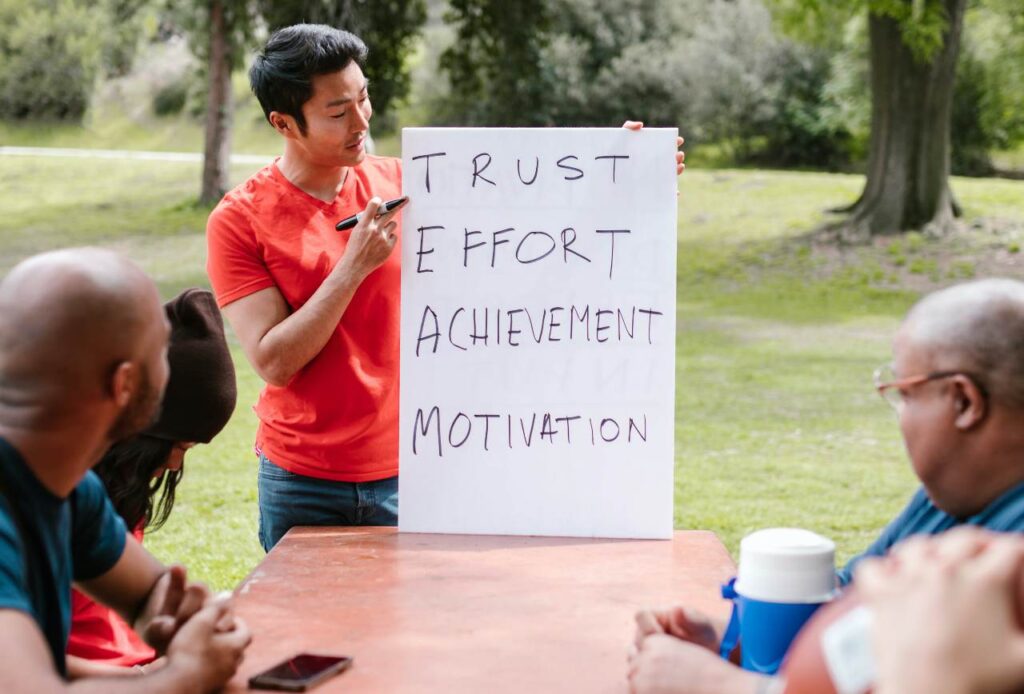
(52, 51)
(718, 68)
(988, 106)
(388, 27)
(496, 64)
(192, 18)
(922, 23)
(607, 57)
(990, 82)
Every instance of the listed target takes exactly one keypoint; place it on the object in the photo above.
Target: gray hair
(977, 327)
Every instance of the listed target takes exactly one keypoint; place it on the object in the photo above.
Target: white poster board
(538, 332)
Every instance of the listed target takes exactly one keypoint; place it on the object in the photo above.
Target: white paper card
(846, 645)
(538, 332)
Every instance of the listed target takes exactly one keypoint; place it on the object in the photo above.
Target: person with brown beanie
(142, 473)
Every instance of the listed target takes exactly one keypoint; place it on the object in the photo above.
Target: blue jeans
(287, 500)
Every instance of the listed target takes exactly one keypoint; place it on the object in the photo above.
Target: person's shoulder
(91, 485)
(97, 533)
(12, 572)
(247, 196)
(920, 499)
(10, 537)
(90, 492)
(920, 515)
(1006, 513)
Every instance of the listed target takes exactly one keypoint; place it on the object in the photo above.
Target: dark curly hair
(127, 472)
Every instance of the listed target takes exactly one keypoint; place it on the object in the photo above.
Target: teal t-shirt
(922, 517)
(47, 542)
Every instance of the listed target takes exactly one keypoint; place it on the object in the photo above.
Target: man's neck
(58, 456)
(970, 494)
(322, 182)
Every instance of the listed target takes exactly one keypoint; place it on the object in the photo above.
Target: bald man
(83, 342)
(957, 384)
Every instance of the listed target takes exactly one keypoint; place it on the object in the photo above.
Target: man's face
(337, 118)
(144, 406)
(926, 417)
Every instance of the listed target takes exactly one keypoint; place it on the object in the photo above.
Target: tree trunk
(219, 109)
(908, 164)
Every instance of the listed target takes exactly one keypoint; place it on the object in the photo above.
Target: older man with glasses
(956, 383)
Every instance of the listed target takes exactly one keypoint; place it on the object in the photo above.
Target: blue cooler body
(764, 630)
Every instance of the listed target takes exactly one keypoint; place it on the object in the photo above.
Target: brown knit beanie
(201, 391)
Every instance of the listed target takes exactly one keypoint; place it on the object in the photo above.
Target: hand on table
(172, 602)
(667, 665)
(206, 653)
(680, 622)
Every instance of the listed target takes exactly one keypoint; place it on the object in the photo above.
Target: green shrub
(802, 128)
(51, 52)
(170, 100)
(48, 59)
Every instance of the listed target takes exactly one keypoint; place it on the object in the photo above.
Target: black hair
(127, 473)
(282, 74)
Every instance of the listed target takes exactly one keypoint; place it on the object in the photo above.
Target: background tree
(719, 69)
(218, 32)
(913, 51)
(219, 105)
(496, 64)
(388, 27)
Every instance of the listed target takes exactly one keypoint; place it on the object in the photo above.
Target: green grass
(777, 423)
(1012, 160)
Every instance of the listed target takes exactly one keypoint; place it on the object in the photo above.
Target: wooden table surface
(469, 613)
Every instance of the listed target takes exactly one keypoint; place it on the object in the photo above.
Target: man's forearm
(294, 342)
(81, 668)
(128, 585)
(168, 680)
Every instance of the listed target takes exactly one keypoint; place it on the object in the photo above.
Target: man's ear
(284, 124)
(970, 403)
(124, 382)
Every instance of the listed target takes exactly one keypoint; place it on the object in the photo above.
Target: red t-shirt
(99, 633)
(338, 417)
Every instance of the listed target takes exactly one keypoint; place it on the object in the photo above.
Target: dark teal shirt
(922, 517)
(47, 542)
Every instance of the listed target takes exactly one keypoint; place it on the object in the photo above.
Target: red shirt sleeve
(234, 260)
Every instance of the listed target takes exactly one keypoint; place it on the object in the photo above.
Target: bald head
(67, 319)
(976, 327)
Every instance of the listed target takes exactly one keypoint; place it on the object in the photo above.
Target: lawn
(777, 422)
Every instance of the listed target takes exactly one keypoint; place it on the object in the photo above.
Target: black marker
(384, 209)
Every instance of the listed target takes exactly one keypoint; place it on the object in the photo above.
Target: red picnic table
(469, 613)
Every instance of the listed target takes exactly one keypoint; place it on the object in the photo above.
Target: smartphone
(300, 673)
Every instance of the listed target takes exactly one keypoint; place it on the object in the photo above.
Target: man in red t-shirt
(316, 310)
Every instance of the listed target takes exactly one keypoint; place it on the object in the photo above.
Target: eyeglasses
(891, 388)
